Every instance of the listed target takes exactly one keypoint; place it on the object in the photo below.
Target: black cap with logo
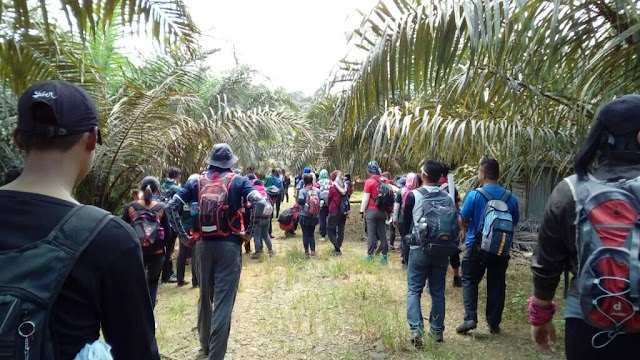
(72, 106)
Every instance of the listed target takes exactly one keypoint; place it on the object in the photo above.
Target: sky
(291, 43)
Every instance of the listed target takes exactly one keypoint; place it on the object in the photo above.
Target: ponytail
(148, 194)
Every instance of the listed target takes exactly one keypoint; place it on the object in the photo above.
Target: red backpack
(608, 244)
(213, 202)
(313, 203)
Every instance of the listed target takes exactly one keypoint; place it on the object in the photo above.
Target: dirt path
(338, 308)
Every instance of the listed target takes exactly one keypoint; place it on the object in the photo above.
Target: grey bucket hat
(222, 156)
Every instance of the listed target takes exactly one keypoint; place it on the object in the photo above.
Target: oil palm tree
(516, 80)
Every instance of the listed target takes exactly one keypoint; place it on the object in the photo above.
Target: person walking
(604, 198)
(374, 216)
(151, 224)
(454, 260)
(188, 220)
(218, 251)
(412, 182)
(339, 209)
(309, 201)
(286, 180)
(170, 186)
(97, 280)
(325, 185)
(476, 261)
(261, 222)
(430, 247)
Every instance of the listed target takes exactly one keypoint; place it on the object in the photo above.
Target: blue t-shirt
(473, 209)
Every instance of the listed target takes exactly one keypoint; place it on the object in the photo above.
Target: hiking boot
(306, 254)
(272, 252)
(437, 337)
(457, 281)
(416, 341)
(384, 259)
(182, 283)
(313, 254)
(495, 330)
(466, 326)
(368, 258)
(255, 255)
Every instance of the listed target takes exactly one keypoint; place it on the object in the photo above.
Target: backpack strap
(485, 194)
(505, 196)
(72, 236)
(136, 206)
(634, 271)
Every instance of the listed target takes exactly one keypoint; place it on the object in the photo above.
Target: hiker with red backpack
(377, 203)
(591, 229)
(219, 193)
(490, 214)
(309, 201)
(150, 223)
(84, 264)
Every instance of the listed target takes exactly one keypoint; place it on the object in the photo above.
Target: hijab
(374, 168)
(412, 183)
(338, 182)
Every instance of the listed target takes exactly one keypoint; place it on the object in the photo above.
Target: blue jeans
(261, 233)
(219, 266)
(308, 237)
(422, 268)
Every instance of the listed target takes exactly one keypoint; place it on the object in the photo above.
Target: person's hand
(543, 336)
(395, 224)
(361, 215)
(190, 242)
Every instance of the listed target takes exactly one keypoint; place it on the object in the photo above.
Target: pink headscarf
(410, 184)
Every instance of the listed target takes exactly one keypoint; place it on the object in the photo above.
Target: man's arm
(556, 235)
(126, 314)
(186, 195)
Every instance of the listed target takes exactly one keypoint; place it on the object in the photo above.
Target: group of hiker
(78, 270)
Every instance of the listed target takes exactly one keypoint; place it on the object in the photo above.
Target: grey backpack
(608, 245)
(31, 279)
(436, 230)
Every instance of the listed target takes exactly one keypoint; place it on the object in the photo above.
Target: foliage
(516, 80)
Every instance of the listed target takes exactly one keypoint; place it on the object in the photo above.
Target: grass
(341, 308)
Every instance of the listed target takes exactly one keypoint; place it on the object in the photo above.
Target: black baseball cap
(72, 106)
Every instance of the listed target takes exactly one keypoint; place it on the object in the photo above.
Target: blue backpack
(497, 226)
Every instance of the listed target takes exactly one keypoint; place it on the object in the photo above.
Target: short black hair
(251, 176)
(257, 182)
(307, 179)
(43, 114)
(491, 168)
(174, 172)
(433, 169)
(445, 169)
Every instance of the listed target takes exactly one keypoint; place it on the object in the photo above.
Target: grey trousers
(376, 231)
(219, 264)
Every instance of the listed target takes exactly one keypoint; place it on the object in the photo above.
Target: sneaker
(368, 258)
(323, 239)
(416, 341)
(392, 248)
(306, 254)
(437, 337)
(495, 330)
(313, 254)
(272, 252)
(404, 266)
(172, 279)
(271, 236)
(182, 283)
(255, 255)
(384, 259)
(466, 326)
(457, 281)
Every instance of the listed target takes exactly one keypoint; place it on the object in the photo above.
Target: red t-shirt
(371, 187)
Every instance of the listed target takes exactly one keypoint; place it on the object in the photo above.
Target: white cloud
(295, 43)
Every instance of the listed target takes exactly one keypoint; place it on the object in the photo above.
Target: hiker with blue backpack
(591, 233)
(430, 216)
(189, 222)
(170, 185)
(84, 264)
(325, 185)
(489, 214)
(377, 203)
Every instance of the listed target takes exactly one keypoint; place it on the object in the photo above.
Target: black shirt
(107, 285)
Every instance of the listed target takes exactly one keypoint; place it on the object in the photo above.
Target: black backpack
(385, 197)
(31, 279)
